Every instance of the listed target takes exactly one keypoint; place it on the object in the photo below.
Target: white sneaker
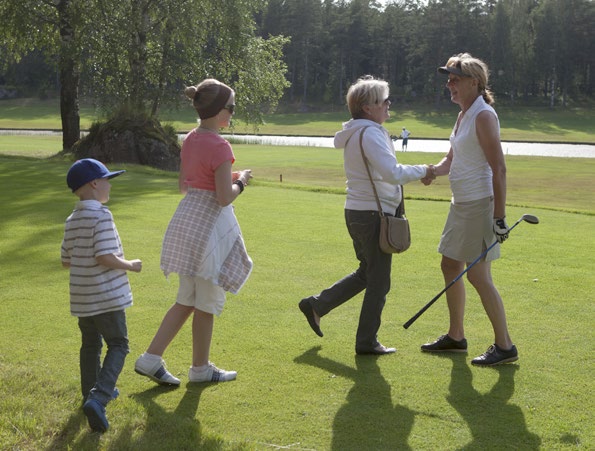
(155, 370)
(211, 374)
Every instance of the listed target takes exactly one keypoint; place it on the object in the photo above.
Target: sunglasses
(229, 108)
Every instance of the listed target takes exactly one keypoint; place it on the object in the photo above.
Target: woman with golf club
(477, 174)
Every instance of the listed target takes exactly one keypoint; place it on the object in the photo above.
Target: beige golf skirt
(469, 231)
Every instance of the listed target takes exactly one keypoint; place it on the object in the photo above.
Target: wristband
(240, 184)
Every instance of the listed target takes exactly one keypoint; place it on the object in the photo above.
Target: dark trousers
(98, 381)
(372, 275)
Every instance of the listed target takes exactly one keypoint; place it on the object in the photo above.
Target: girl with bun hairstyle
(203, 243)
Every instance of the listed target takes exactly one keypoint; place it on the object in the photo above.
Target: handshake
(430, 175)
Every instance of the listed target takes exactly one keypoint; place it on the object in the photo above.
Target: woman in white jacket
(368, 104)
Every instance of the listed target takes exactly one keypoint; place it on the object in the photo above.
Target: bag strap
(401, 208)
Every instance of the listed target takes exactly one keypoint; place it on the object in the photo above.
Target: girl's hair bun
(190, 92)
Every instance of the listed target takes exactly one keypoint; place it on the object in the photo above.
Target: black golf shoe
(495, 355)
(445, 344)
(380, 349)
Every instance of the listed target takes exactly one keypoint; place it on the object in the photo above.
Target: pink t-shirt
(202, 154)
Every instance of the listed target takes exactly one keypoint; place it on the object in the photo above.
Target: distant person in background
(405, 137)
(368, 104)
(477, 172)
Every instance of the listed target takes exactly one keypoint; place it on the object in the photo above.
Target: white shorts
(469, 231)
(201, 294)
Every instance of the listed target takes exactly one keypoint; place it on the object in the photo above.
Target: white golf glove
(500, 229)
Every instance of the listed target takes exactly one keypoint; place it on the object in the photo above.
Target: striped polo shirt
(89, 232)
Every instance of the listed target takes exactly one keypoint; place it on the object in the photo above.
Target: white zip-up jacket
(386, 171)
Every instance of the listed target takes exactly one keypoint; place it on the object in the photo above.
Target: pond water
(414, 145)
(428, 145)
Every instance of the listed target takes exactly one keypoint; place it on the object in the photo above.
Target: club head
(530, 219)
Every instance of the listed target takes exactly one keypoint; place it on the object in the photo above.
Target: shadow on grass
(179, 429)
(68, 435)
(158, 429)
(368, 419)
(494, 423)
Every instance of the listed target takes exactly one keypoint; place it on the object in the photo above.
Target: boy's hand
(137, 265)
(114, 262)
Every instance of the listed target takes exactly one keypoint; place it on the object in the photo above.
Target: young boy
(99, 288)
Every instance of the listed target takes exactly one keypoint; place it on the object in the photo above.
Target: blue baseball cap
(86, 170)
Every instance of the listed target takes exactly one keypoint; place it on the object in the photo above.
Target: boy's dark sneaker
(95, 413)
(445, 344)
(495, 355)
(115, 395)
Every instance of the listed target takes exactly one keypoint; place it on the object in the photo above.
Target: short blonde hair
(466, 65)
(367, 90)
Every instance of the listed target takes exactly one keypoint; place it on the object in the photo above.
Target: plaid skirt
(204, 239)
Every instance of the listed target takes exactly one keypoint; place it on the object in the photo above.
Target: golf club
(527, 218)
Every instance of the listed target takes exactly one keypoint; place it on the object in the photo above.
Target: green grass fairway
(295, 390)
(545, 182)
(573, 125)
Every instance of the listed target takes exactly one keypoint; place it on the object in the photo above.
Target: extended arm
(442, 168)
(380, 153)
(114, 262)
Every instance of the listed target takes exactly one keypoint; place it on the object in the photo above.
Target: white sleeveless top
(470, 174)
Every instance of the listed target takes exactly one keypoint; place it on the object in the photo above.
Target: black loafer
(378, 350)
(445, 344)
(308, 311)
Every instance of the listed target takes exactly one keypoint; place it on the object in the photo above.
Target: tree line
(140, 53)
(537, 50)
